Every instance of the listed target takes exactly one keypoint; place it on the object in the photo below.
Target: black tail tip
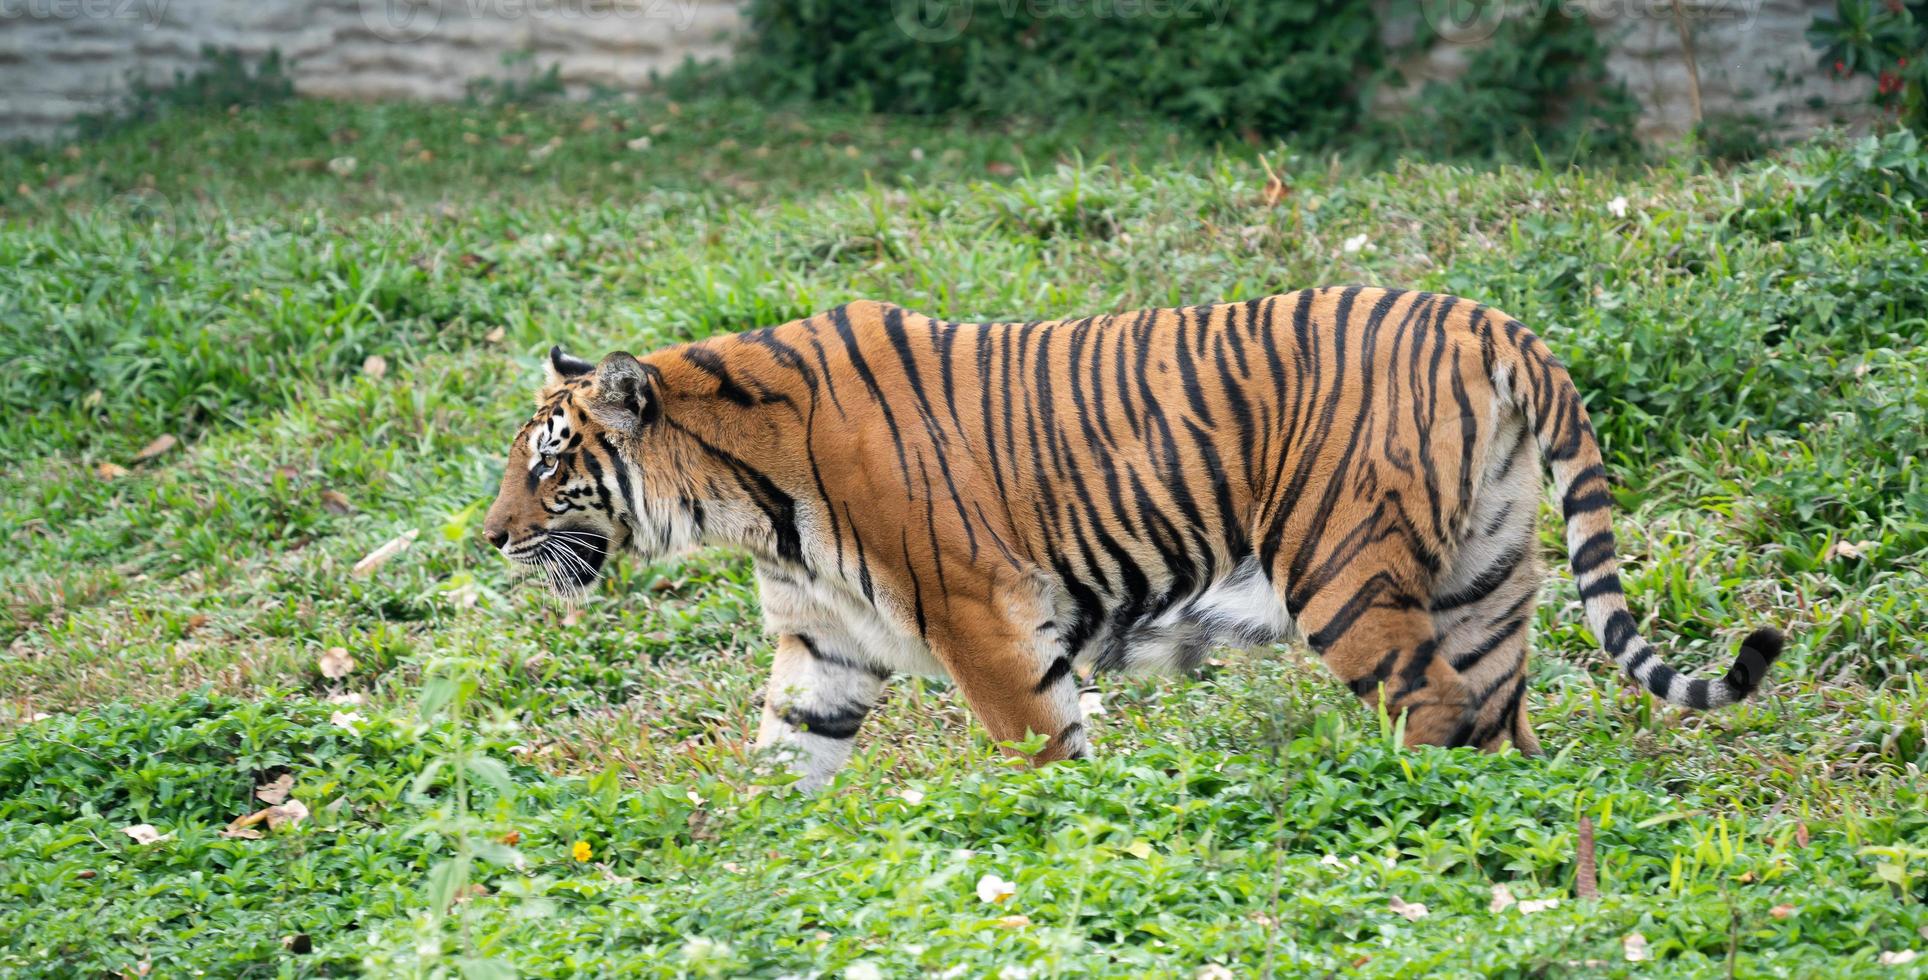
(1761, 648)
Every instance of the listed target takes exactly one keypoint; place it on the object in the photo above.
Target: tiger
(1014, 506)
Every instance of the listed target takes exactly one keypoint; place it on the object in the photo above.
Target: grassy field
(495, 784)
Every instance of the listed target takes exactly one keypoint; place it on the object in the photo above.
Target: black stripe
(840, 724)
(821, 655)
(1058, 670)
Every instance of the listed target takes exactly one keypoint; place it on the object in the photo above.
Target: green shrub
(224, 79)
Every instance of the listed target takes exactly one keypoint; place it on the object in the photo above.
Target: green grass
(1749, 342)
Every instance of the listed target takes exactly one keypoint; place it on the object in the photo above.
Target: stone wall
(59, 58)
(1752, 58)
(63, 57)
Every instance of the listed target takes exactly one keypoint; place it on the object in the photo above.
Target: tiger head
(590, 474)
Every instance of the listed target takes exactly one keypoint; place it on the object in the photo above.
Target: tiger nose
(497, 536)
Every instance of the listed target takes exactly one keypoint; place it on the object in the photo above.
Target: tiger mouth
(571, 560)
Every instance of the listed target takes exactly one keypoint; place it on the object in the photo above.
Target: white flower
(1618, 206)
(995, 890)
(1538, 905)
(1357, 243)
(699, 949)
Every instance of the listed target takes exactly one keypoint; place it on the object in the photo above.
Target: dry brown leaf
(1801, 834)
(512, 838)
(287, 814)
(999, 168)
(1851, 550)
(380, 556)
(336, 502)
(193, 623)
(1587, 885)
(161, 444)
(1412, 911)
(110, 471)
(495, 336)
(1634, 946)
(1276, 189)
(375, 366)
(335, 663)
(146, 833)
(1781, 911)
(276, 791)
(1013, 921)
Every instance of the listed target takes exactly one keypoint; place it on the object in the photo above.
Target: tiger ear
(561, 367)
(624, 397)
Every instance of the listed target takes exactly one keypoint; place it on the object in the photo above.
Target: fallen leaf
(1091, 703)
(639, 143)
(277, 791)
(1851, 550)
(193, 623)
(1538, 905)
(86, 874)
(910, 795)
(161, 444)
(380, 556)
(1332, 861)
(1898, 957)
(1013, 921)
(1502, 899)
(995, 890)
(999, 168)
(287, 814)
(1618, 206)
(1412, 911)
(1634, 946)
(512, 838)
(1801, 834)
(335, 663)
(375, 366)
(145, 833)
(1275, 186)
(346, 719)
(346, 697)
(241, 833)
(1781, 911)
(1586, 884)
(336, 502)
(699, 825)
(1214, 971)
(343, 167)
(110, 471)
(495, 336)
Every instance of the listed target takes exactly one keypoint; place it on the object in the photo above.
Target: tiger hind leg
(1370, 626)
(1482, 605)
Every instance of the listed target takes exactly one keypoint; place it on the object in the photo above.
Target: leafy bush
(1886, 41)
(1300, 70)
(1541, 81)
(224, 79)
(1278, 68)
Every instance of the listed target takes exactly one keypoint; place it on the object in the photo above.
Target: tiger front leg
(819, 694)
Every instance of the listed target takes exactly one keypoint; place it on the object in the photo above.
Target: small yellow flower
(581, 851)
